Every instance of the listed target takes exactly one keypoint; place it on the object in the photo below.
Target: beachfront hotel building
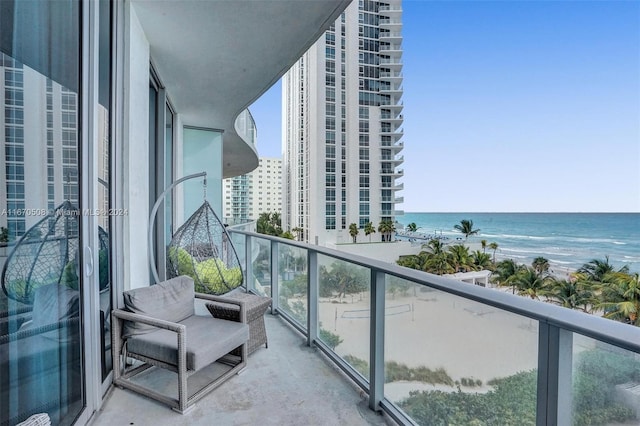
(247, 196)
(150, 92)
(342, 126)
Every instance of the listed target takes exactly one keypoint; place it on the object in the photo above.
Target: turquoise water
(565, 239)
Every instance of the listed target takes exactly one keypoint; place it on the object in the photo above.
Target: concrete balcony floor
(286, 384)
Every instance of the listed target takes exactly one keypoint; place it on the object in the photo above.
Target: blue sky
(513, 106)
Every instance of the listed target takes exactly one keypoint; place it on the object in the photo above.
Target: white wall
(385, 252)
(135, 152)
(202, 151)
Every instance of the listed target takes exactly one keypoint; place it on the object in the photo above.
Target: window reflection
(40, 333)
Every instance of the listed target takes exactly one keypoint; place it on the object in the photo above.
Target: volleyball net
(366, 313)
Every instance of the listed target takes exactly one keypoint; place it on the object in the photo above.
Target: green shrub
(330, 339)
(359, 364)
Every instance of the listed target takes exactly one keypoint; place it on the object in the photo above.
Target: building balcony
(395, 106)
(389, 8)
(391, 62)
(391, 48)
(308, 390)
(390, 22)
(393, 158)
(390, 36)
(395, 146)
(392, 132)
(246, 127)
(393, 89)
(399, 200)
(394, 77)
(389, 118)
(393, 172)
(405, 340)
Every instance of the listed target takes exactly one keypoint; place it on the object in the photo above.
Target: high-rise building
(57, 107)
(342, 118)
(247, 196)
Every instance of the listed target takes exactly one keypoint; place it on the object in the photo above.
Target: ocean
(567, 240)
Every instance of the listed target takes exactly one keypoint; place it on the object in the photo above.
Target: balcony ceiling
(217, 57)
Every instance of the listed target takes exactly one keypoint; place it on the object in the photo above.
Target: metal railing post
(555, 359)
(251, 284)
(376, 340)
(312, 296)
(275, 276)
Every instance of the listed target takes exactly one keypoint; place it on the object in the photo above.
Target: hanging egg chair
(48, 254)
(202, 249)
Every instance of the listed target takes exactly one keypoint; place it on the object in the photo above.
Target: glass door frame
(163, 108)
(95, 387)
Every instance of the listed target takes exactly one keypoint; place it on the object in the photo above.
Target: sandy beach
(437, 330)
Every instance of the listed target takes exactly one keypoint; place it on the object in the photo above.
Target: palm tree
(466, 227)
(506, 269)
(412, 227)
(369, 229)
(494, 247)
(386, 228)
(353, 231)
(298, 231)
(572, 294)
(438, 264)
(460, 258)
(530, 283)
(483, 243)
(620, 295)
(597, 269)
(434, 246)
(540, 264)
(481, 260)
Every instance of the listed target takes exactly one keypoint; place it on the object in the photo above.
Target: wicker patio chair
(159, 328)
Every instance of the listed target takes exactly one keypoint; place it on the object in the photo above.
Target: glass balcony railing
(246, 127)
(431, 350)
(390, 74)
(390, 21)
(390, 34)
(390, 8)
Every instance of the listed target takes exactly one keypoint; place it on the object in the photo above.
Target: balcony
(390, 62)
(393, 89)
(391, 36)
(393, 158)
(391, 48)
(394, 76)
(397, 106)
(391, 171)
(393, 22)
(411, 342)
(388, 131)
(308, 390)
(390, 8)
(246, 127)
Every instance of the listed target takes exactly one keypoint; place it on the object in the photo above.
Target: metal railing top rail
(608, 331)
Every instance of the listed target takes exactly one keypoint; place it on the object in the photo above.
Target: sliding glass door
(41, 302)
